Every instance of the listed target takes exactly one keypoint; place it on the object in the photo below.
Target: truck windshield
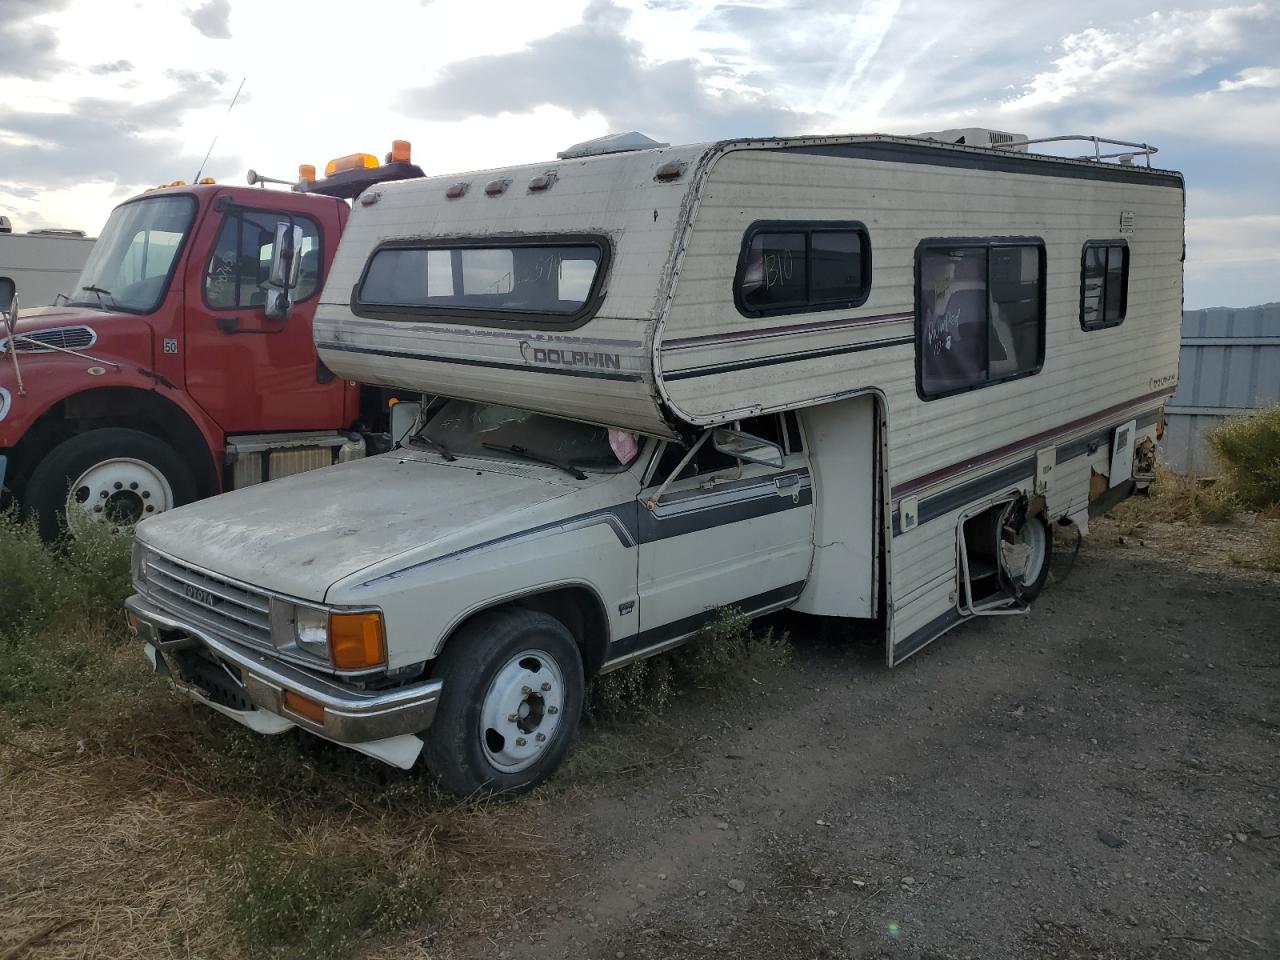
(464, 428)
(131, 263)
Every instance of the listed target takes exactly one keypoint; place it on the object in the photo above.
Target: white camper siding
(548, 369)
(1090, 381)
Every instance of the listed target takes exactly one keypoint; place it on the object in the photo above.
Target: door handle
(791, 480)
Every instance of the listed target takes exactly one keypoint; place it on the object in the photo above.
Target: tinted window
(239, 268)
(542, 279)
(1104, 284)
(979, 314)
(788, 267)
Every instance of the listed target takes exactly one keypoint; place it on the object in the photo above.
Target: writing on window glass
(779, 268)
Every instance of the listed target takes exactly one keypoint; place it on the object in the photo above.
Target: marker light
(306, 173)
(207, 180)
(399, 151)
(353, 161)
(304, 707)
(356, 640)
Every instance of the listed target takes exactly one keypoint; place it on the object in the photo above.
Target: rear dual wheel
(509, 710)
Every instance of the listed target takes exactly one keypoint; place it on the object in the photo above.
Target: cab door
(249, 372)
(723, 533)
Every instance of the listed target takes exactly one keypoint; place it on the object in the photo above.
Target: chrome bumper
(350, 716)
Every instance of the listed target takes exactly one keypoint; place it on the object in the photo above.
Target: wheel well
(128, 407)
(581, 611)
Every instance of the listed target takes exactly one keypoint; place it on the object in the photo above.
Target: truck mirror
(286, 261)
(9, 302)
(404, 417)
(744, 446)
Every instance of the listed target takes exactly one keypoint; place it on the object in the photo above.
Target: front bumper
(381, 723)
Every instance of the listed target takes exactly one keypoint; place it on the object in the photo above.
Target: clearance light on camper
(353, 161)
(357, 640)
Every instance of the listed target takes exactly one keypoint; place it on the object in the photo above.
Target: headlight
(311, 630)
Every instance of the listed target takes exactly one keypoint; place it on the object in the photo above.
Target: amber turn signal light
(356, 640)
(304, 707)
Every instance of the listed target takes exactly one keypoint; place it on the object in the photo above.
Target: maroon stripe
(1000, 453)
(811, 326)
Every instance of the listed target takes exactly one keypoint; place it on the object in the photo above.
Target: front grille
(68, 338)
(220, 606)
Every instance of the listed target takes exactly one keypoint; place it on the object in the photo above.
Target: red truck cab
(171, 374)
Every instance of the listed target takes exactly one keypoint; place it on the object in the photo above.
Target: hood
(72, 321)
(301, 534)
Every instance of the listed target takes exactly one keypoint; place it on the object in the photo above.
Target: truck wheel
(1038, 538)
(111, 476)
(510, 705)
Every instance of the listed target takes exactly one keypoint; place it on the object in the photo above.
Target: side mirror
(743, 446)
(286, 266)
(286, 262)
(8, 303)
(404, 417)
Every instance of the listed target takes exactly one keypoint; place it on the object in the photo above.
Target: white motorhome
(44, 263)
(852, 376)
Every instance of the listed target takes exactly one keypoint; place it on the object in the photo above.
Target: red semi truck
(183, 364)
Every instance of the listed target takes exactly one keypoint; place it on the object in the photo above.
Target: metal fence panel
(1229, 365)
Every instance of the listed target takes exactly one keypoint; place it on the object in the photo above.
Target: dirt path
(1099, 779)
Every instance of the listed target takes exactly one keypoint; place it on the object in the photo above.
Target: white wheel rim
(1033, 536)
(117, 493)
(521, 712)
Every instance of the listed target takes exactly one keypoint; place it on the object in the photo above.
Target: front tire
(509, 710)
(112, 476)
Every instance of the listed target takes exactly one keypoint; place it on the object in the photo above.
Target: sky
(100, 99)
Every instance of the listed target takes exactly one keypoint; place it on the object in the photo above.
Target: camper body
(43, 263)
(858, 377)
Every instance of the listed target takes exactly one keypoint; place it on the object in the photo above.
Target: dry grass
(1179, 498)
(1247, 450)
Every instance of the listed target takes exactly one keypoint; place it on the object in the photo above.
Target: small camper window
(1104, 283)
(980, 313)
(533, 282)
(789, 267)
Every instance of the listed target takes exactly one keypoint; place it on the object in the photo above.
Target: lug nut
(146, 494)
(525, 691)
(134, 485)
(103, 494)
(512, 718)
(546, 687)
(119, 485)
(540, 737)
(553, 709)
(521, 741)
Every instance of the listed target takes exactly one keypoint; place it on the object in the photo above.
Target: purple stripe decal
(533, 336)
(813, 326)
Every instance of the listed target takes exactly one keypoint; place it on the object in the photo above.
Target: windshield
(464, 429)
(130, 264)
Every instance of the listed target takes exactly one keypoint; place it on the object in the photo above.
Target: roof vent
(613, 143)
(5, 225)
(976, 137)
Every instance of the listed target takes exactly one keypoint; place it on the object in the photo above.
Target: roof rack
(1124, 156)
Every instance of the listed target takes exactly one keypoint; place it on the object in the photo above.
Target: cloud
(29, 49)
(213, 19)
(100, 139)
(1253, 78)
(1108, 63)
(103, 69)
(595, 68)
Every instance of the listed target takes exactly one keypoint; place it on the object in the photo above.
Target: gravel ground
(1099, 779)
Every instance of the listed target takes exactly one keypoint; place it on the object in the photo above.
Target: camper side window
(788, 267)
(980, 314)
(1104, 283)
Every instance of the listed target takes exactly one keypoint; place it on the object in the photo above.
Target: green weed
(1248, 453)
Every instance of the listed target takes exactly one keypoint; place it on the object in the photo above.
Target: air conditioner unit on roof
(976, 137)
(613, 143)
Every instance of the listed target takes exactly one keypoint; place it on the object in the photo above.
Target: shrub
(318, 900)
(724, 650)
(1248, 453)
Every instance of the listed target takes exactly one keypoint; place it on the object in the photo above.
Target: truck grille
(220, 606)
(68, 338)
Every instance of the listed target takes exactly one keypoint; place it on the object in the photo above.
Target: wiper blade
(520, 451)
(431, 443)
(100, 292)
